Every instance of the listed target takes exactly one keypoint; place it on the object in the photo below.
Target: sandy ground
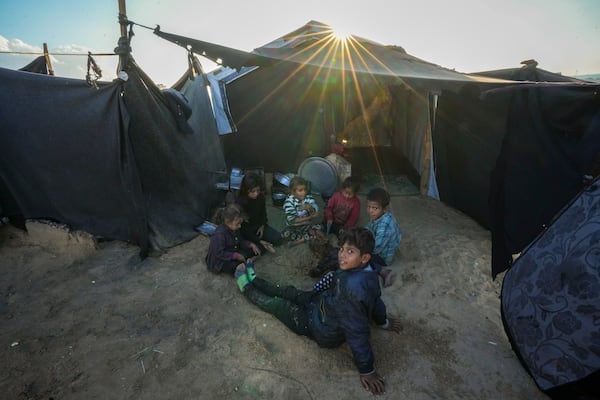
(86, 320)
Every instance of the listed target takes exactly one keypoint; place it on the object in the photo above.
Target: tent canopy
(528, 72)
(312, 89)
(315, 44)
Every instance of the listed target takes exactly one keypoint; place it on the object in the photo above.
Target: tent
(451, 133)
(38, 65)
(110, 160)
(311, 90)
(528, 72)
(512, 157)
(551, 301)
(470, 128)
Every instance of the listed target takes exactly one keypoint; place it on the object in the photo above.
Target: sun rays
(340, 33)
(339, 73)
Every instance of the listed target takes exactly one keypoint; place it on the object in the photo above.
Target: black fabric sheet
(67, 157)
(510, 157)
(177, 170)
(110, 161)
(467, 139)
(552, 142)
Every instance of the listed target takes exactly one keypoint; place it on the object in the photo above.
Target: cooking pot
(283, 178)
(278, 198)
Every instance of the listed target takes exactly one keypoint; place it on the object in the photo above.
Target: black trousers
(270, 234)
(286, 303)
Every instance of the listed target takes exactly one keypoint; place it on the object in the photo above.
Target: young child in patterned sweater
(301, 210)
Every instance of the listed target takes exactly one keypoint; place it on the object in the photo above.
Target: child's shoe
(250, 272)
(241, 277)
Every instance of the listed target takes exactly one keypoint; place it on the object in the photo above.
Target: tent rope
(94, 73)
(155, 29)
(40, 53)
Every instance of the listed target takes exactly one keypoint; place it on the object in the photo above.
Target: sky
(466, 35)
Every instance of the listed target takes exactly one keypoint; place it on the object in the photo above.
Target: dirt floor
(87, 320)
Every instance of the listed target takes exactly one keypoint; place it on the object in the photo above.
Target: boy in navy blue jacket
(339, 309)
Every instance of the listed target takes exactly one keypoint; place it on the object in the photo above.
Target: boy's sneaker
(250, 272)
(241, 278)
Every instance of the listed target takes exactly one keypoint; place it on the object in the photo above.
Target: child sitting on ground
(227, 248)
(343, 208)
(340, 309)
(385, 230)
(300, 210)
(255, 228)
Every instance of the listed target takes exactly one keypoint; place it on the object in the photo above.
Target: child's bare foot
(388, 276)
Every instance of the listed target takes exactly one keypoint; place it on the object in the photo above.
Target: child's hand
(240, 257)
(373, 382)
(255, 249)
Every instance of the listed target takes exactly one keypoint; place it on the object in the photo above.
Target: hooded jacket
(343, 313)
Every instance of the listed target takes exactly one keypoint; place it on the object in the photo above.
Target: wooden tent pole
(48, 62)
(123, 17)
(123, 48)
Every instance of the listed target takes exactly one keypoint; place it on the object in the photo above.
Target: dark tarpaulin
(468, 134)
(552, 142)
(537, 139)
(467, 139)
(109, 161)
(469, 130)
(67, 157)
(178, 171)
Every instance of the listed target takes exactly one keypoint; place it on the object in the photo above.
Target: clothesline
(57, 54)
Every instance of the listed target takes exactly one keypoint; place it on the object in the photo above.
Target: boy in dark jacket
(339, 309)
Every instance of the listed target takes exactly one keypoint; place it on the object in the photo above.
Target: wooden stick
(48, 62)
(123, 14)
